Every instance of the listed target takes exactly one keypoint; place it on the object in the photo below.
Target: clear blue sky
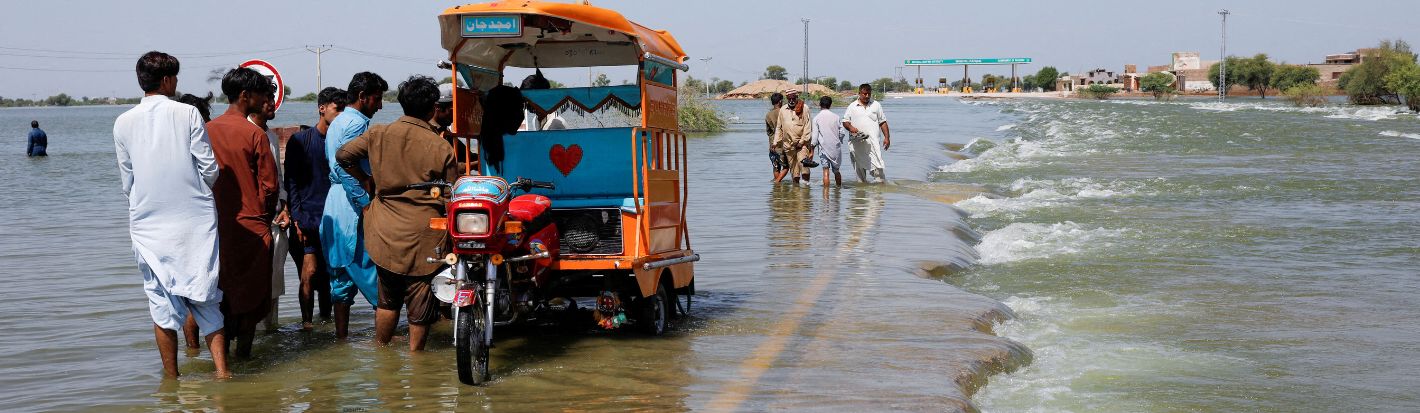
(98, 41)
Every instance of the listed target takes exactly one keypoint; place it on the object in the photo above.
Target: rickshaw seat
(600, 177)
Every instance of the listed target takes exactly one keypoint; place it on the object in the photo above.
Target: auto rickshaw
(602, 213)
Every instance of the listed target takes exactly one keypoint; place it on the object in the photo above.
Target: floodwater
(1073, 256)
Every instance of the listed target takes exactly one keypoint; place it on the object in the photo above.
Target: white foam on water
(1328, 111)
(1073, 356)
(1395, 134)
(1005, 127)
(1035, 194)
(1028, 241)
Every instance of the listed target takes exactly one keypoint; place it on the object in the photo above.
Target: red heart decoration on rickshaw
(565, 159)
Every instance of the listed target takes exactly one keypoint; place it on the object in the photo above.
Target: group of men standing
(211, 201)
(794, 137)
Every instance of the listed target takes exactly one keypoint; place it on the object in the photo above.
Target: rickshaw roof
(488, 52)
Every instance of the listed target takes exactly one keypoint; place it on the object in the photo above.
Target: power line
(193, 55)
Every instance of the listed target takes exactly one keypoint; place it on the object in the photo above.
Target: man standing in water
(38, 141)
(279, 241)
(341, 239)
(793, 137)
(308, 183)
(868, 129)
(828, 139)
(397, 232)
(167, 170)
(771, 127)
(246, 197)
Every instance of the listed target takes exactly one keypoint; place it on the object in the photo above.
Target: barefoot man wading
(869, 134)
(167, 169)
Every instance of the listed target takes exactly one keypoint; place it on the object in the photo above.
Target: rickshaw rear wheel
(472, 352)
(655, 312)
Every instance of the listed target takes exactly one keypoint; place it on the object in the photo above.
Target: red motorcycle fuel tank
(528, 207)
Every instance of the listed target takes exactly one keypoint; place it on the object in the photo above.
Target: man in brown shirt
(397, 233)
(245, 195)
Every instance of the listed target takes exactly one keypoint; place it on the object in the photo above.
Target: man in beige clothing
(793, 135)
(397, 233)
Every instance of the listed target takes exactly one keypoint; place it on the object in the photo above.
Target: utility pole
(805, 92)
(318, 50)
(1223, 64)
(707, 81)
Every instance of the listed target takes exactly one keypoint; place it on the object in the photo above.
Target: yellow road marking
(733, 395)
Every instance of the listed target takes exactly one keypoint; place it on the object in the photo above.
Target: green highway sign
(982, 61)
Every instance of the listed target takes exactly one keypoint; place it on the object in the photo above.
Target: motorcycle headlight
(472, 223)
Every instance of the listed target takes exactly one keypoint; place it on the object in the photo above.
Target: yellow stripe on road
(733, 395)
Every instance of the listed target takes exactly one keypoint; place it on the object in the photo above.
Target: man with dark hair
(397, 231)
(168, 170)
(350, 267)
(246, 203)
(280, 242)
(38, 141)
(828, 139)
(444, 119)
(308, 183)
(868, 131)
(771, 126)
(203, 104)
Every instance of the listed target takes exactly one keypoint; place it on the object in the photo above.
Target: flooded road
(808, 300)
(1035, 255)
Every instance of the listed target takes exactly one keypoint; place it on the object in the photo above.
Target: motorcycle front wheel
(472, 350)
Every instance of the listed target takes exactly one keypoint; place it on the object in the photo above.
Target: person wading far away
(38, 141)
(308, 183)
(341, 240)
(397, 233)
(771, 127)
(167, 169)
(868, 132)
(246, 196)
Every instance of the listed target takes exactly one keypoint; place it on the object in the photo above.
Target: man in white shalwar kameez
(868, 133)
(167, 169)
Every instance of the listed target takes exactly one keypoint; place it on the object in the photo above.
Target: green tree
(601, 81)
(1045, 78)
(1234, 68)
(59, 100)
(692, 83)
(723, 86)
(1365, 83)
(1288, 76)
(1304, 94)
(1028, 83)
(1257, 74)
(1405, 81)
(846, 85)
(1100, 92)
(1158, 83)
(775, 72)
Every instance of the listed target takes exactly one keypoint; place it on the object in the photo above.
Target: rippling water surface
(1032, 256)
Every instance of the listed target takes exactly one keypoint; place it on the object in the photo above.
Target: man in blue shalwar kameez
(341, 240)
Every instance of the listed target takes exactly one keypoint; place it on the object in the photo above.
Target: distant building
(1186, 61)
(1097, 77)
(1336, 64)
